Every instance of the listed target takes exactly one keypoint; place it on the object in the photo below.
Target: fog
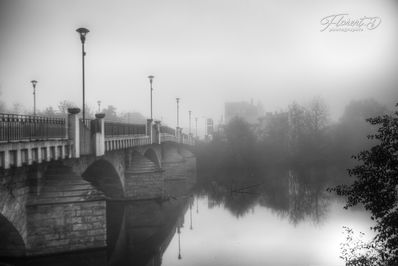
(205, 52)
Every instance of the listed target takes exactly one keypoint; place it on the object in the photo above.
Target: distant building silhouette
(209, 129)
(245, 110)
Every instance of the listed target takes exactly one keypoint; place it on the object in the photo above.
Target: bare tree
(318, 115)
(64, 105)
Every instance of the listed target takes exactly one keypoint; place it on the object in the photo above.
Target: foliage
(2, 105)
(376, 184)
(356, 251)
(298, 135)
(110, 113)
(240, 140)
(349, 135)
(307, 126)
(301, 135)
(272, 136)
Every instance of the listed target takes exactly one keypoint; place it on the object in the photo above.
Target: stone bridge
(56, 176)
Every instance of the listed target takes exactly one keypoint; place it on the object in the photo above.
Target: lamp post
(190, 112)
(83, 32)
(150, 81)
(34, 82)
(178, 110)
(196, 127)
(99, 106)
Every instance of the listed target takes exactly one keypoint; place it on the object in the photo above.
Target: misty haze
(199, 133)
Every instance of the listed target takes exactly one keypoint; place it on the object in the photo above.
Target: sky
(205, 52)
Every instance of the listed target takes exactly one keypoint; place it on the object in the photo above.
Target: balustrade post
(99, 134)
(157, 132)
(149, 130)
(74, 131)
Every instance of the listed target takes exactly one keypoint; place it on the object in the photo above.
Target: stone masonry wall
(144, 185)
(65, 227)
(179, 170)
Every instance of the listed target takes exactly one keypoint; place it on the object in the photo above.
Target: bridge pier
(67, 226)
(144, 178)
(177, 162)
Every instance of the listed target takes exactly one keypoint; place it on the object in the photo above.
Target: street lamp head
(150, 80)
(178, 100)
(34, 82)
(82, 32)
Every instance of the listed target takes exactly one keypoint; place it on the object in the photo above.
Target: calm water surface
(282, 218)
(260, 237)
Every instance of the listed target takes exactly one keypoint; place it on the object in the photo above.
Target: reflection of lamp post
(190, 215)
(179, 242)
(34, 82)
(150, 81)
(99, 106)
(178, 110)
(83, 32)
(190, 112)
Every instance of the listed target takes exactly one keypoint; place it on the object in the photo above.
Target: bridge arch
(171, 153)
(185, 152)
(12, 217)
(152, 155)
(103, 176)
(11, 241)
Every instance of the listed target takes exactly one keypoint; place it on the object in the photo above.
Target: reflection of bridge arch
(103, 175)
(11, 241)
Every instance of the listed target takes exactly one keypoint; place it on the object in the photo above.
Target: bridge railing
(167, 130)
(167, 137)
(15, 127)
(85, 136)
(113, 129)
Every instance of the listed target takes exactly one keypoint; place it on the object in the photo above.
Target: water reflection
(264, 219)
(146, 231)
(138, 232)
(280, 217)
(295, 194)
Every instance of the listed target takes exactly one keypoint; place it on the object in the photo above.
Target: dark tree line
(61, 110)
(300, 136)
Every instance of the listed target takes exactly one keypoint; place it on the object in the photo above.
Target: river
(282, 218)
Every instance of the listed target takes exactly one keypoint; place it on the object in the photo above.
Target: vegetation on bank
(302, 138)
(376, 188)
